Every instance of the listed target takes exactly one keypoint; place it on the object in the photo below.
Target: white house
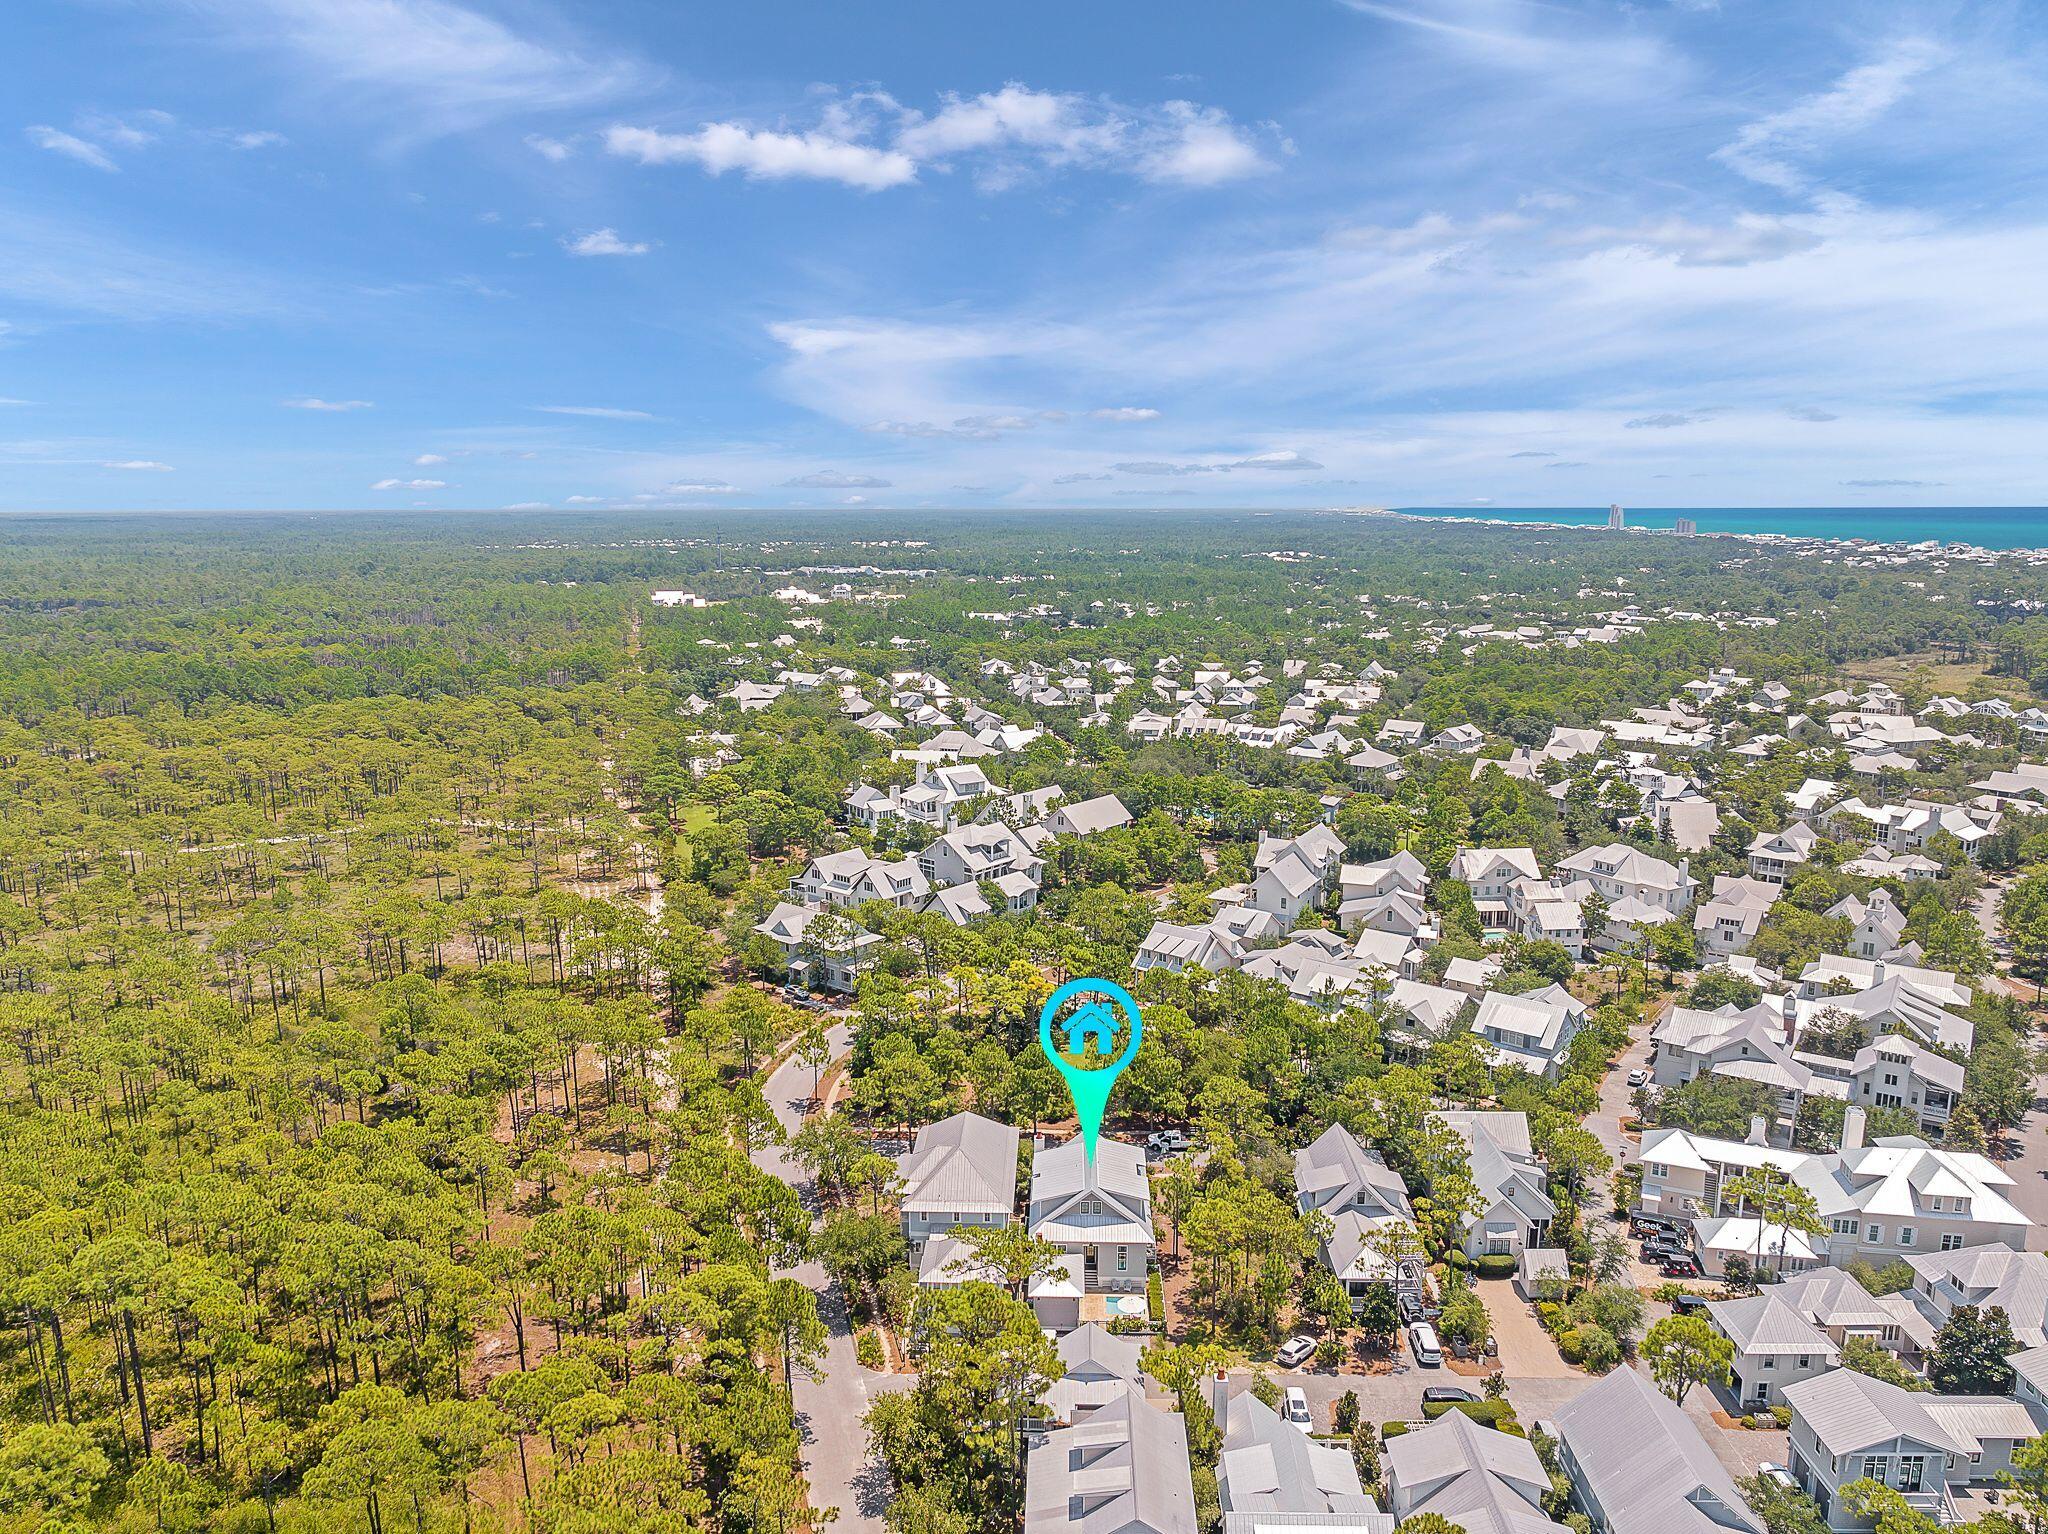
(1099, 1211)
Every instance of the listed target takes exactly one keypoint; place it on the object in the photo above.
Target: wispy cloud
(426, 66)
(82, 267)
(71, 146)
(604, 242)
(1285, 460)
(764, 155)
(1770, 150)
(1662, 421)
(597, 412)
(410, 484)
(138, 466)
(337, 406)
(872, 142)
(1124, 413)
(835, 479)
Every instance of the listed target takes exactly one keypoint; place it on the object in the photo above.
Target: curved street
(830, 1405)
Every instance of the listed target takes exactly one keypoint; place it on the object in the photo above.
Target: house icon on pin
(1091, 1023)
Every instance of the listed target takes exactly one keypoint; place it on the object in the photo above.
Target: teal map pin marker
(1093, 1022)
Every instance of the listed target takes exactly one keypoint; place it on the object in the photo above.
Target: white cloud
(1078, 479)
(834, 479)
(57, 141)
(1124, 413)
(870, 141)
(1746, 238)
(764, 155)
(586, 500)
(140, 466)
(1663, 421)
(6, 402)
(700, 487)
(410, 484)
(428, 460)
(1768, 150)
(1285, 459)
(527, 506)
(1202, 148)
(259, 138)
(604, 242)
(548, 148)
(428, 66)
(979, 428)
(338, 405)
(134, 132)
(1554, 47)
(598, 412)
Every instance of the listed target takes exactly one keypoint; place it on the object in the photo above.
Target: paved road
(1617, 1098)
(829, 1409)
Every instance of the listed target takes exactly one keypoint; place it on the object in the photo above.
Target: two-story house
(1850, 1427)
(960, 1171)
(1100, 1211)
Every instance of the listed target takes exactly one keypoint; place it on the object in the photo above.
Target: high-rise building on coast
(1685, 527)
(1615, 517)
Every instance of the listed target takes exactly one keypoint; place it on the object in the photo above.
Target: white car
(1294, 1407)
(1294, 1351)
(1638, 1076)
(1166, 1141)
(1777, 1473)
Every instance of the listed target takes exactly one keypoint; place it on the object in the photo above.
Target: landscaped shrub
(1344, 1415)
(1549, 1315)
(1465, 1318)
(1590, 1346)
(1365, 1454)
(1329, 1352)
(1496, 1265)
(1392, 1430)
(867, 1347)
(1155, 1296)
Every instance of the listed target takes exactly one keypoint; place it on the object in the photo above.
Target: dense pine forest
(385, 1030)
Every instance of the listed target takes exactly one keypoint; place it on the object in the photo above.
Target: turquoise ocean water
(1990, 527)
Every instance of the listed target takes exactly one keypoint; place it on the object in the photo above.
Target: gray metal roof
(1848, 1411)
(1647, 1464)
(1269, 1465)
(965, 1163)
(1122, 1470)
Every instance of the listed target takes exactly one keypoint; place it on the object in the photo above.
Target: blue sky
(496, 253)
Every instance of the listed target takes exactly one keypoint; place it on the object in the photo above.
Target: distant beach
(1986, 527)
